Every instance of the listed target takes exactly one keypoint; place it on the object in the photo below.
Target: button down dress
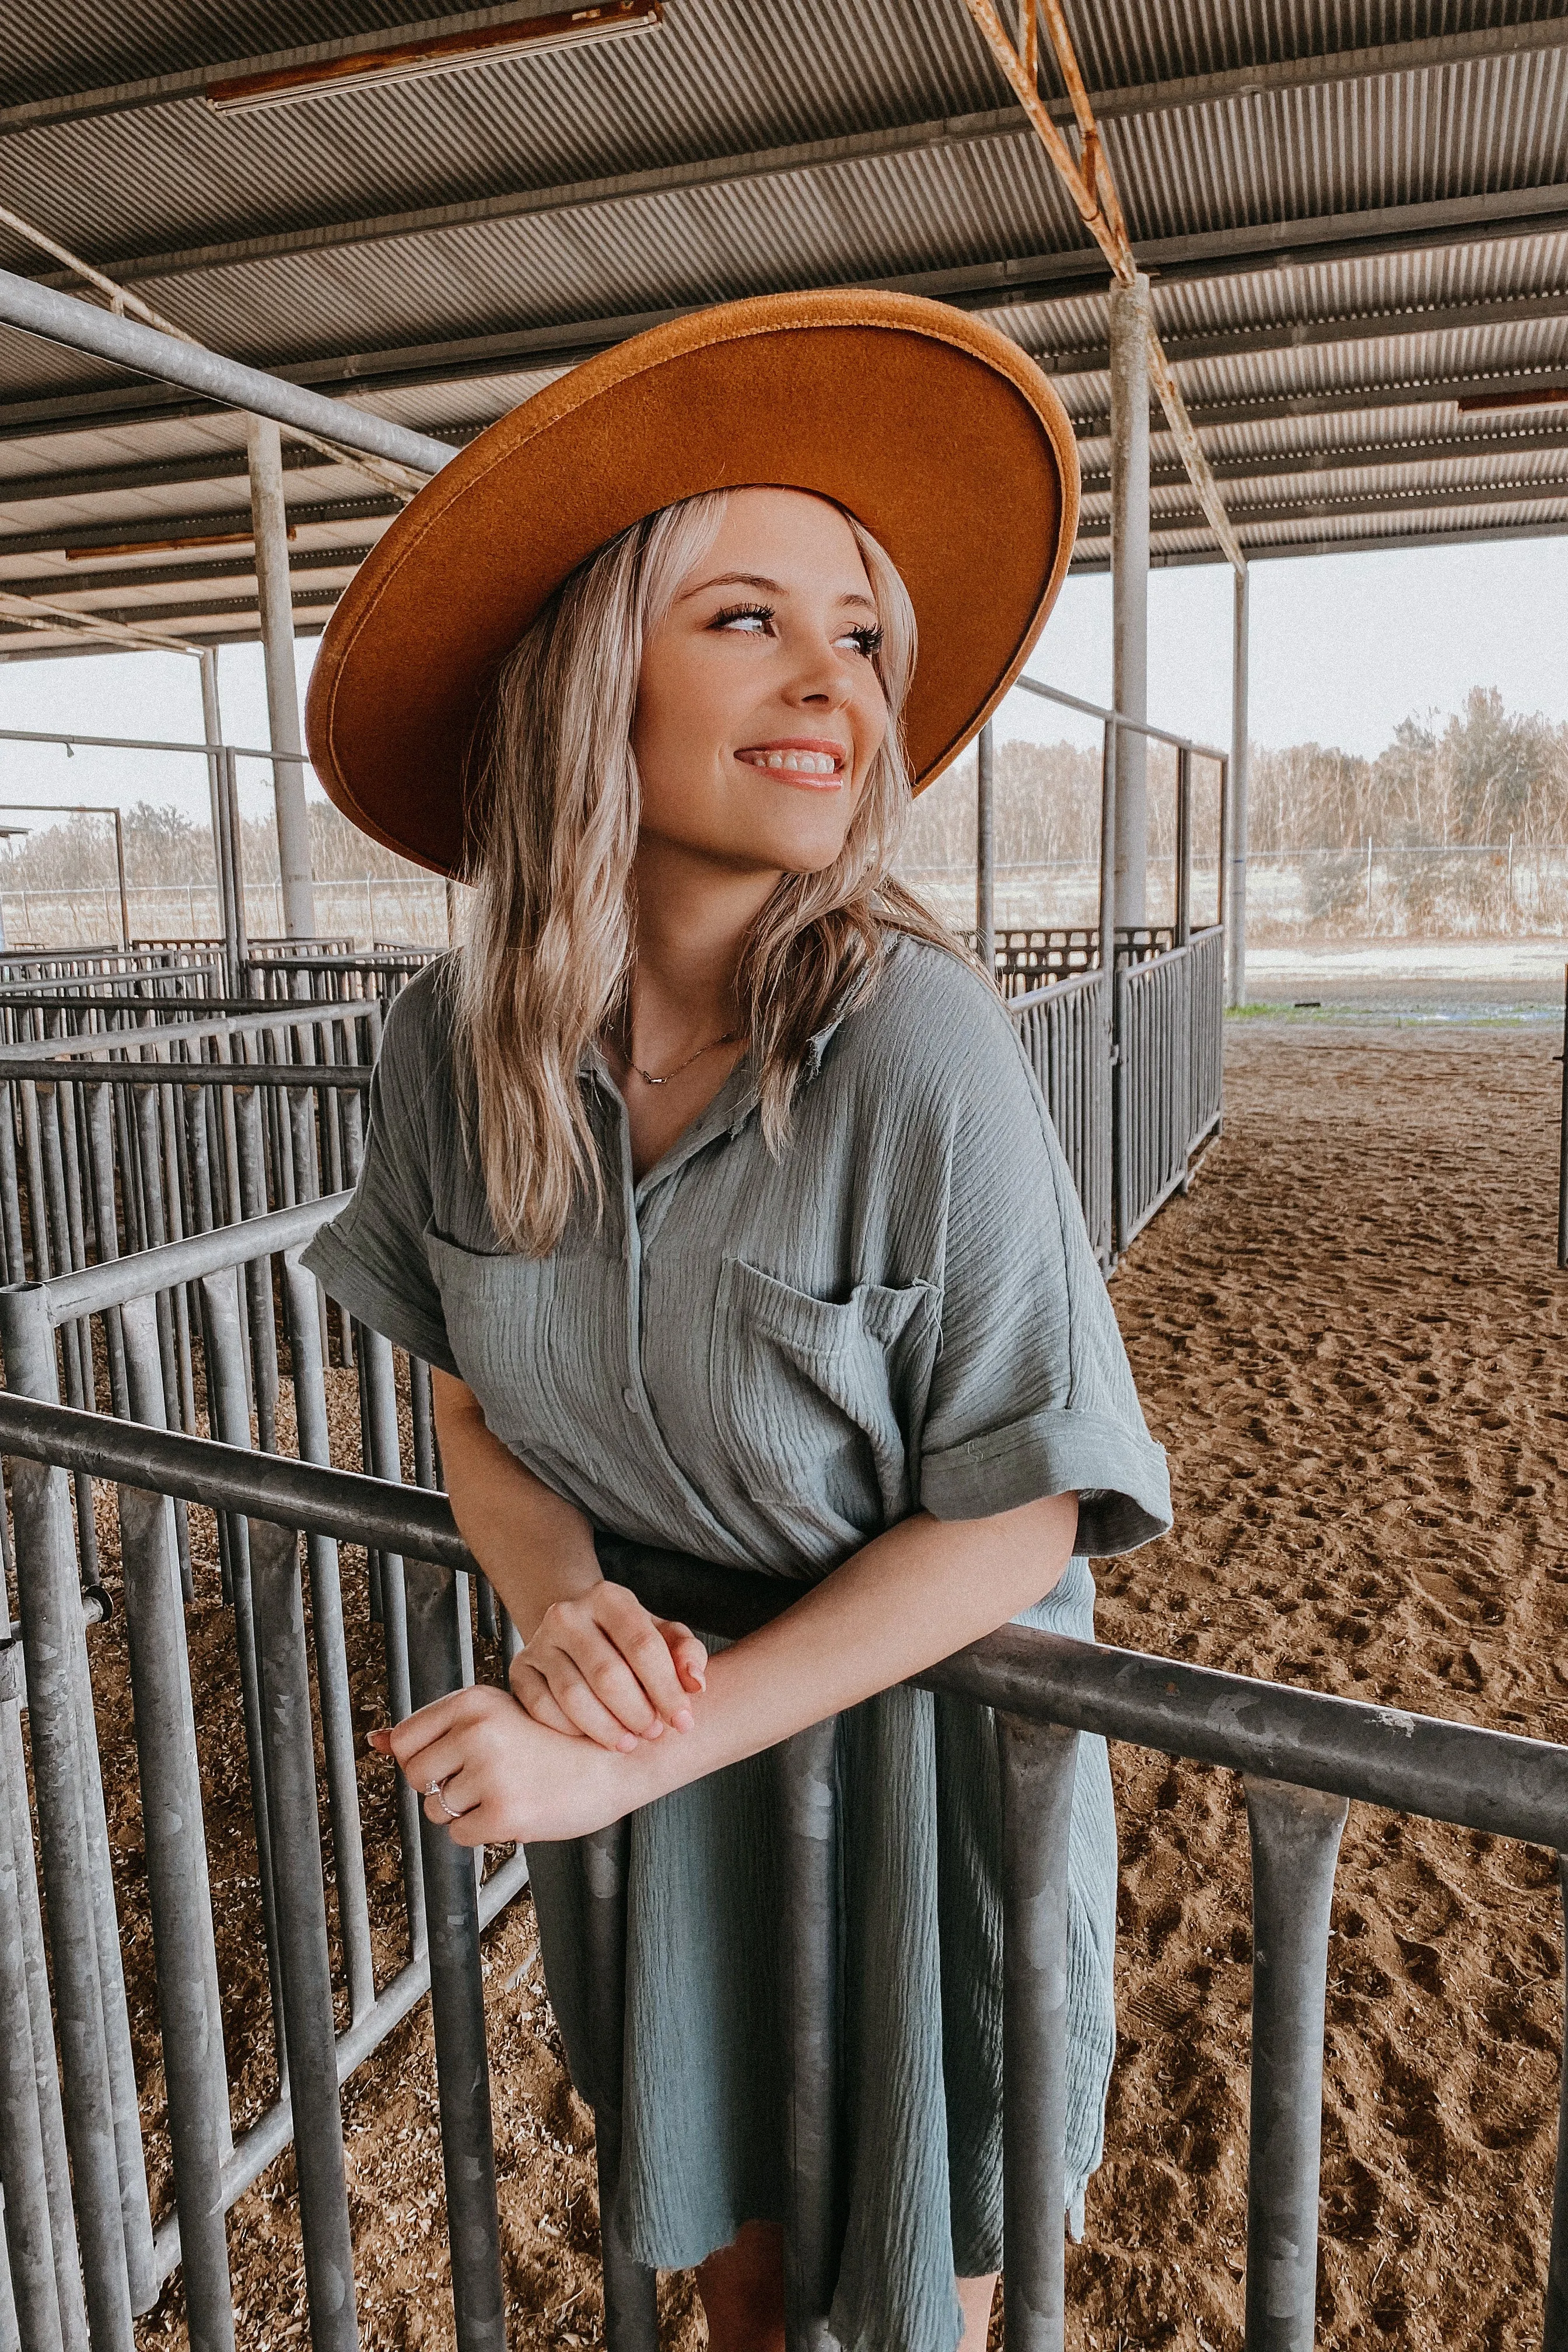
(763, 1363)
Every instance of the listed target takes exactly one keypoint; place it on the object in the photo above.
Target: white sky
(1343, 647)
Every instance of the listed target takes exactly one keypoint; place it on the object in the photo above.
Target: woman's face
(759, 708)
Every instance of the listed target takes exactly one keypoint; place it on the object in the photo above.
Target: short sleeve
(371, 1257)
(1031, 1393)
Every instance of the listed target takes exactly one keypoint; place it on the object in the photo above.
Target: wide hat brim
(938, 434)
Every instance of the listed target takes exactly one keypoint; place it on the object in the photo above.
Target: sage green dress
(763, 1363)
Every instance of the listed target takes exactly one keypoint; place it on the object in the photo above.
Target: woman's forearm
(534, 1548)
(926, 1587)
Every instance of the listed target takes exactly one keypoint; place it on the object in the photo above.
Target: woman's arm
(926, 1587)
(596, 1662)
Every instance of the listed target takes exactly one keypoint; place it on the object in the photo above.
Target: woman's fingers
(689, 1654)
(641, 1642)
(531, 1691)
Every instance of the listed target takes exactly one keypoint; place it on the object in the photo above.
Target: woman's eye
(867, 641)
(746, 621)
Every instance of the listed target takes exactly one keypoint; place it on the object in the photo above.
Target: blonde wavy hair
(550, 942)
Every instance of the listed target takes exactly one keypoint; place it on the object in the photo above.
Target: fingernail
(683, 1720)
(627, 1742)
(656, 1728)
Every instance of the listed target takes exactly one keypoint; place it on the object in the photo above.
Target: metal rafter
(40, 613)
(1447, 49)
(1089, 182)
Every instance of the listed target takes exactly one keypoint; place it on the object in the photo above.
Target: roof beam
(172, 89)
(1369, 543)
(1351, 400)
(147, 531)
(127, 578)
(993, 286)
(1359, 456)
(1314, 334)
(1140, 98)
(1422, 500)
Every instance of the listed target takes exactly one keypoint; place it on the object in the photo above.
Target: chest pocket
(811, 1396)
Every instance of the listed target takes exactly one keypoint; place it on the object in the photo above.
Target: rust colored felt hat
(933, 430)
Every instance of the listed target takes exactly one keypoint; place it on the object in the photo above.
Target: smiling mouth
(814, 764)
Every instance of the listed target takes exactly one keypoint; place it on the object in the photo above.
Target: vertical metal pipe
(336, 1698)
(456, 1997)
(54, 1645)
(71, 2305)
(986, 849)
(303, 1927)
(1554, 2325)
(807, 1787)
(1235, 891)
(124, 894)
(380, 1403)
(1183, 846)
(631, 2310)
(145, 1370)
(1130, 584)
(1108, 916)
(212, 732)
(229, 1412)
(29, 2234)
(1039, 1761)
(1295, 1844)
(182, 1924)
(275, 603)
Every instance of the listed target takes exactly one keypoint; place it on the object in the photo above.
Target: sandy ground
(1351, 1338)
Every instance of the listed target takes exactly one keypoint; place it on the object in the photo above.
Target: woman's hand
(599, 1667)
(475, 1755)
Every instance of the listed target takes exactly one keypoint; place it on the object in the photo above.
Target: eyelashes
(866, 638)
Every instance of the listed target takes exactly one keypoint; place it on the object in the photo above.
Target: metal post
(53, 1641)
(182, 1922)
(985, 850)
(28, 2239)
(1040, 1762)
(1563, 1149)
(1130, 584)
(309, 2020)
(275, 603)
(124, 894)
(212, 731)
(805, 1765)
(1108, 763)
(458, 1997)
(631, 2310)
(1295, 1845)
(1236, 893)
(1183, 846)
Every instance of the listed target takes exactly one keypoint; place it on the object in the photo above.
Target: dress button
(630, 1399)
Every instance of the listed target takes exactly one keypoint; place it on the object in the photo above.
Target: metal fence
(1169, 1036)
(253, 1311)
(1302, 1755)
(1065, 1030)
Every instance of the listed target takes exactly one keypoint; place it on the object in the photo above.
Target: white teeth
(794, 763)
(775, 759)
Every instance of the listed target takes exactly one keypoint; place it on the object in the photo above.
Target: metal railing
(1302, 1755)
(1065, 1030)
(232, 1278)
(1169, 1034)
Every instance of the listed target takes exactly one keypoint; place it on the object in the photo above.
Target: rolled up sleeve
(371, 1257)
(1031, 1393)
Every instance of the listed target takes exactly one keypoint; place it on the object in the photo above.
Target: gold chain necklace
(732, 1037)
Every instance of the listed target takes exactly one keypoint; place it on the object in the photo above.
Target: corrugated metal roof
(1323, 373)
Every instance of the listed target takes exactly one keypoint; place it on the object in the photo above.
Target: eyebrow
(768, 587)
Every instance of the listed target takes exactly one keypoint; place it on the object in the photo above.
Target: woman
(712, 1180)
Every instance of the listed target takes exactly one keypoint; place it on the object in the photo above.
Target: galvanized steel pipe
(127, 344)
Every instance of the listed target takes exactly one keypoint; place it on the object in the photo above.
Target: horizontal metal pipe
(350, 1077)
(271, 2133)
(127, 344)
(276, 1014)
(1479, 1779)
(93, 1288)
(1098, 710)
(128, 743)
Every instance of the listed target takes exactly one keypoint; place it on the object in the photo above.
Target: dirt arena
(1351, 1336)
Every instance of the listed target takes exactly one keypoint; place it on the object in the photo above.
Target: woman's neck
(691, 925)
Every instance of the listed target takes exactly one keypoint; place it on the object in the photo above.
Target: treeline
(163, 848)
(1485, 775)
